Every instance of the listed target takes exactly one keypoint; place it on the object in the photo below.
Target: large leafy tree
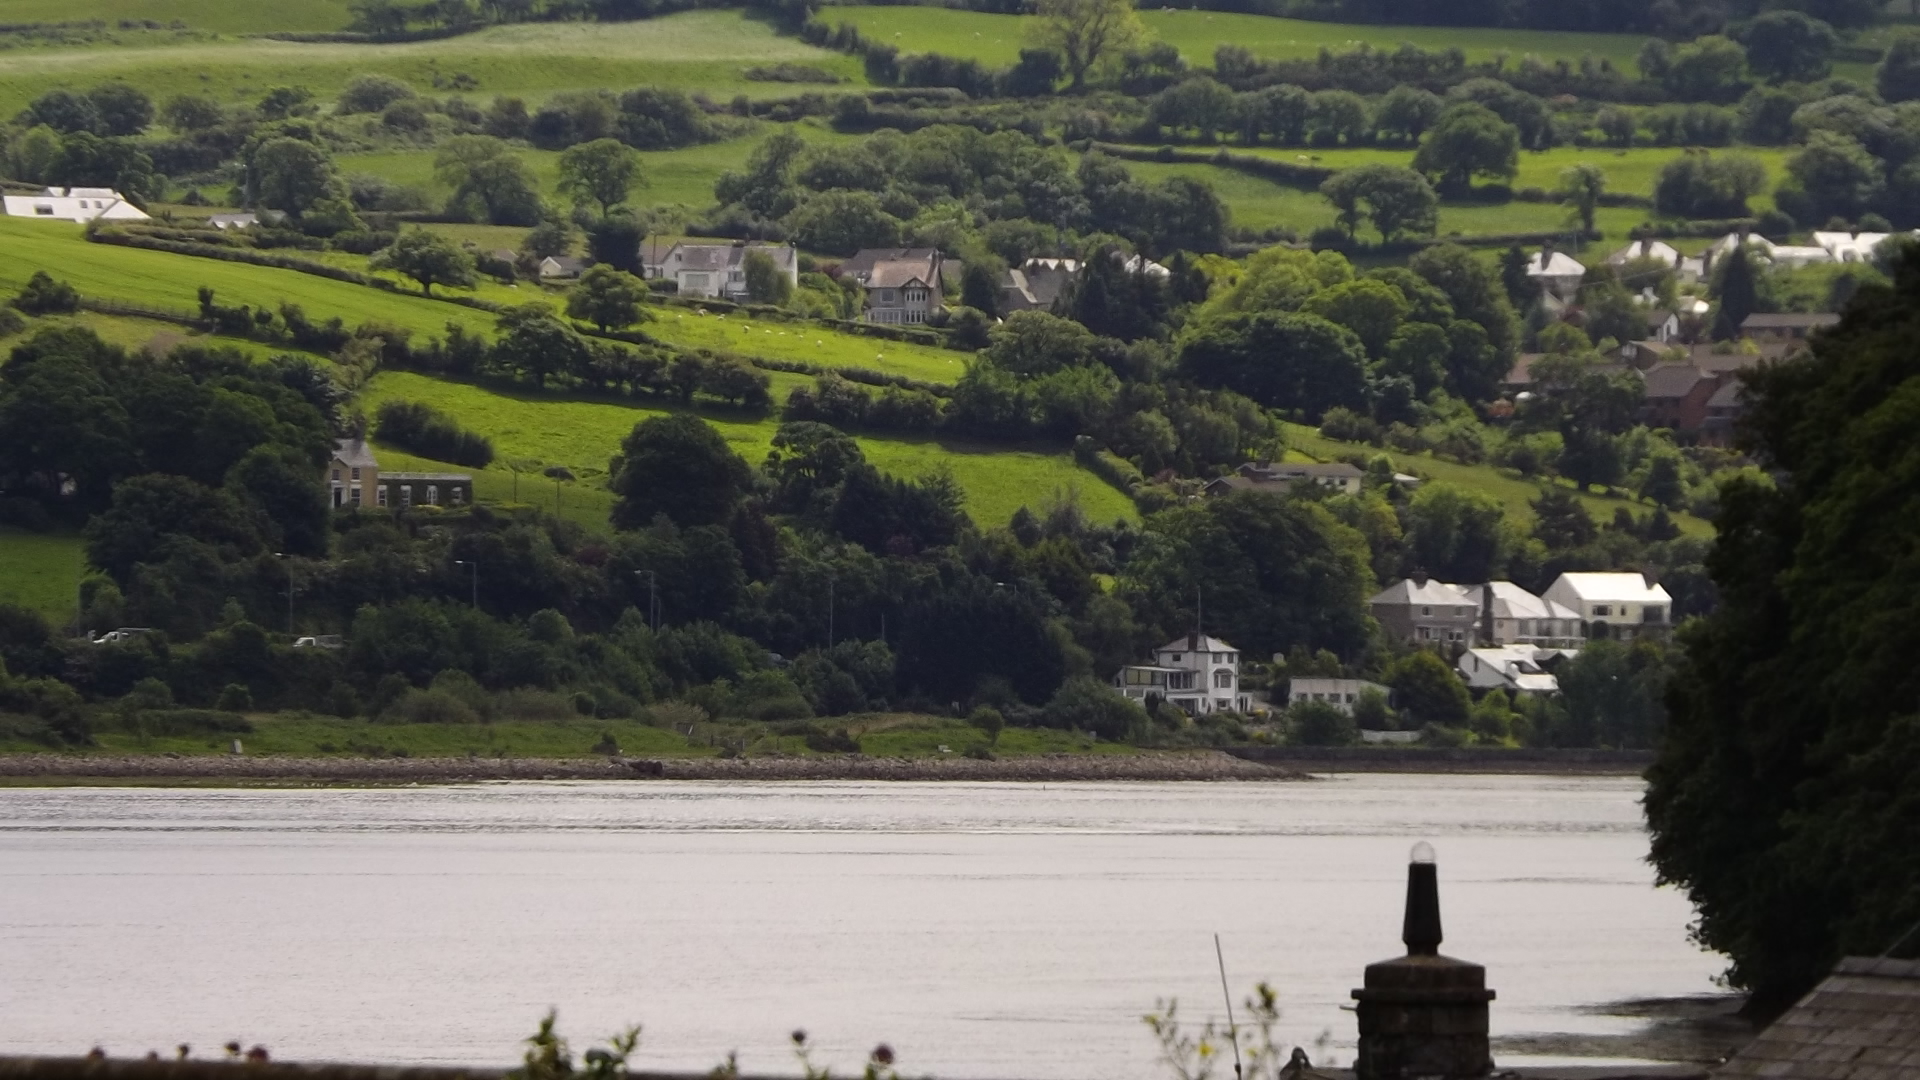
(607, 298)
(1399, 201)
(1786, 799)
(428, 258)
(1085, 32)
(1280, 359)
(678, 466)
(1789, 46)
(1469, 140)
(290, 175)
(1273, 573)
(602, 172)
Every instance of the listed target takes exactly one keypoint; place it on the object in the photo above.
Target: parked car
(125, 633)
(321, 641)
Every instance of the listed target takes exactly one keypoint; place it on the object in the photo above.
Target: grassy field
(584, 434)
(701, 50)
(997, 39)
(41, 571)
(1629, 171)
(227, 16)
(682, 177)
(1513, 492)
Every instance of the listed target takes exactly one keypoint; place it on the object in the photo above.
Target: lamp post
(284, 555)
(473, 567)
(653, 605)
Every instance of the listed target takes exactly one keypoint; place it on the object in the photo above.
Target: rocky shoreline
(1054, 768)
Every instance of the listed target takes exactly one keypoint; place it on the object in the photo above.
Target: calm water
(981, 929)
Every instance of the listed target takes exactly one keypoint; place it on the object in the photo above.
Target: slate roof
(1432, 594)
(1645, 249)
(1862, 1023)
(1788, 320)
(354, 454)
(1186, 643)
(1672, 381)
(1728, 396)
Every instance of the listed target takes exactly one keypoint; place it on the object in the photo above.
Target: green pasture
(700, 50)
(1513, 492)
(1258, 203)
(1630, 171)
(997, 39)
(682, 177)
(159, 279)
(584, 434)
(41, 571)
(226, 16)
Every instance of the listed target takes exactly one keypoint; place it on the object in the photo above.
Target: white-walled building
(719, 269)
(1517, 669)
(1613, 605)
(79, 205)
(1342, 694)
(1511, 615)
(1197, 673)
(1557, 272)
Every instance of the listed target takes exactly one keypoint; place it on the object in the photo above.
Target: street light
(653, 605)
(474, 567)
(284, 555)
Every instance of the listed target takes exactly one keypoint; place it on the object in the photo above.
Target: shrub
(424, 430)
(1316, 723)
(372, 93)
(45, 296)
(234, 697)
(430, 707)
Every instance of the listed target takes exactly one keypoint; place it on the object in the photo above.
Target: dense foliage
(1784, 798)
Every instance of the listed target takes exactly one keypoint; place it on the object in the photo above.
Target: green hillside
(582, 435)
(1513, 492)
(226, 16)
(700, 50)
(41, 571)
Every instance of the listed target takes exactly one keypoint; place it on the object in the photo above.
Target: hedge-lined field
(226, 16)
(584, 434)
(997, 39)
(699, 50)
(41, 571)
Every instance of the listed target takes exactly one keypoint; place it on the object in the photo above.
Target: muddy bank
(1200, 765)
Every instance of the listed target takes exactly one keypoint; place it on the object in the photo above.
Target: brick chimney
(1423, 1016)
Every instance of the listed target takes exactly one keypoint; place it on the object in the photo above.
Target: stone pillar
(1423, 1016)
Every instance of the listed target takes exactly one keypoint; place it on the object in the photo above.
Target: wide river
(983, 930)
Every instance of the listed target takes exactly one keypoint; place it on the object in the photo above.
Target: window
(889, 296)
(1426, 611)
(916, 315)
(356, 472)
(380, 495)
(1466, 611)
(916, 296)
(1602, 609)
(1653, 614)
(1177, 656)
(1425, 634)
(1319, 697)
(1520, 628)
(1349, 699)
(43, 210)
(355, 497)
(336, 476)
(1223, 680)
(406, 495)
(456, 495)
(433, 494)
(1180, 680)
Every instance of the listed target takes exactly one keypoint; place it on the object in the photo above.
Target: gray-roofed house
(903, 285)
(1861, 1023)
(1510, 615)
(1425, 611)
(1786, 324)
(1197, 673)
(561, 267)
(1277, 478)
(718, 270)
(1676, 399)
(352, 474)
(1724, 410)
(1037, 283)
(1556, 271)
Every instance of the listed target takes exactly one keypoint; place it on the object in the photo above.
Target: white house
(79, 204)
(561, 267)
(719, 270)
(1196, 673)
(1517, 669)
(1646, 249)
(1556, 271)
(1613, 605)
(1510, 615)
(1342, 694)
(1853, 247)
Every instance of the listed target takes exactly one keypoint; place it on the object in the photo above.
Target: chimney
(1419, 578)
(1486, 614)
(1193, 641)
(1423, 1015)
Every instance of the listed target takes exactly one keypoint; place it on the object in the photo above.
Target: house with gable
(1557, 273)
(718, 269)
(1517, 669)
(1510, 615)
(903, 286)
(78, 204)
(1277, 478)
(1427, 612)
(1614, 605)
(1198, 674)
